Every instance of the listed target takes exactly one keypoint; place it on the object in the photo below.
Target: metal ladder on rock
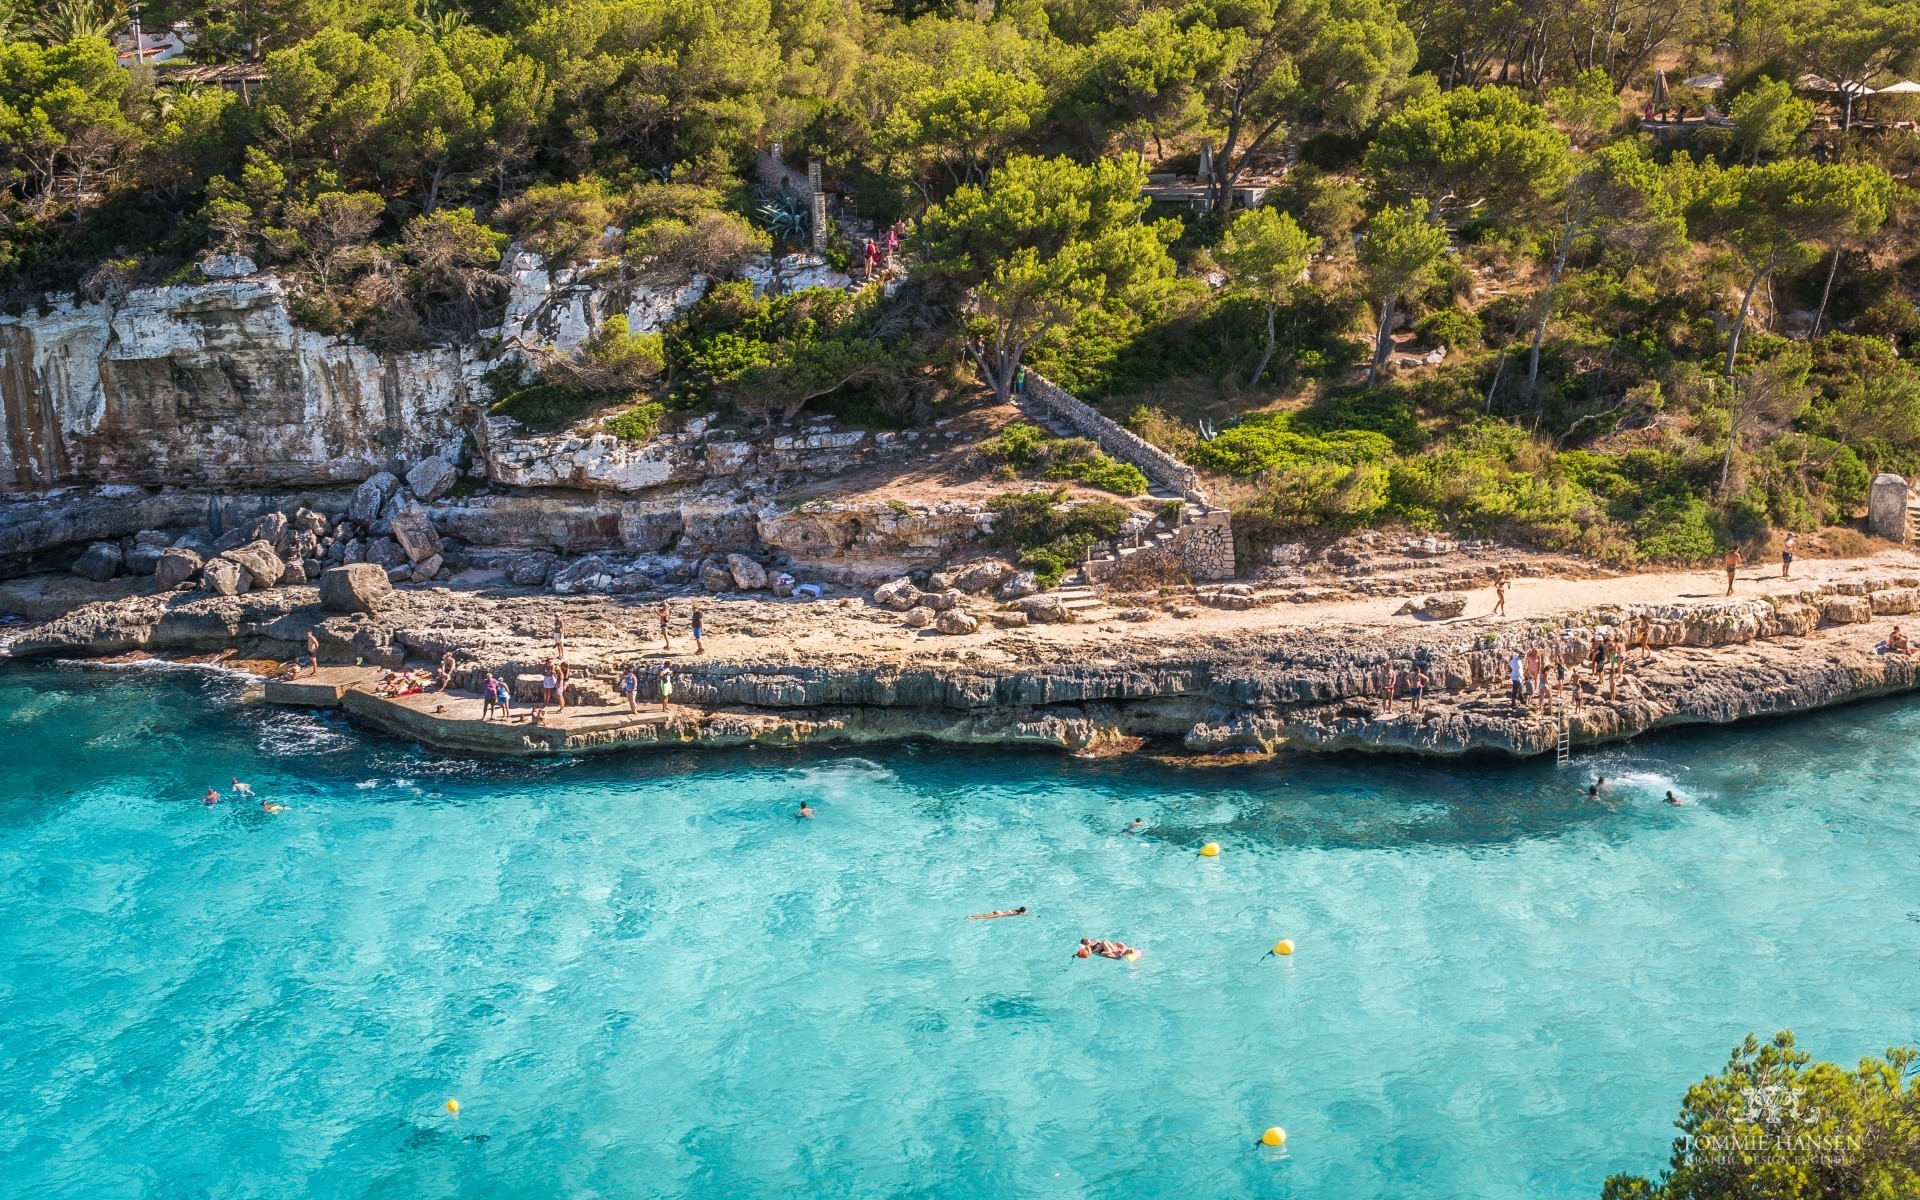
(1563, 743)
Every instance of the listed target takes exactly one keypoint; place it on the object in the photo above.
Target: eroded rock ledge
(797, 671)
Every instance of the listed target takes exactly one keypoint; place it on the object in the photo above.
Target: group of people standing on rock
(1541, 674)
(556, 677)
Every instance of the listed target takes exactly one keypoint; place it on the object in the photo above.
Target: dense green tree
(1266, 252)
(61, 111)
(1768, 120)
(1481, 154)
(1403, 252)
(1281, 60)
(1777, 216)
(964, 126)
(1850, 43)
(1044, 241)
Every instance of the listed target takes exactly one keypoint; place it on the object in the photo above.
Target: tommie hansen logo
(1775, 1124)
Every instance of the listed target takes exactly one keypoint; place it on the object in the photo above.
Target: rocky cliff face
(212, 384)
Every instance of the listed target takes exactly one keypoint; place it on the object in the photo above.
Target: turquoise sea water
(644, 977)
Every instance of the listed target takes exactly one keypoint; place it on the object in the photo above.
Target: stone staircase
(1084, 603)
(1913, 521)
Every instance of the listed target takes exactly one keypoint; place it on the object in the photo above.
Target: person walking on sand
(630, 687)
(1786, 554)
(666, 643)
(1499, 595)
(666, 688)
(699, 647)
(1732, 564)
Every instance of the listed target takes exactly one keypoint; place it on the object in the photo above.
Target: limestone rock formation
(415, 533)
(981, 576)
(371, 496)
(956, 621)
(1022, 584)
(143, 554)
(225, 577)
(899, 595)
(918, 617)
(353, 588)
(176, 566)
(748, 575)
(260, 563)
(101, 561)
(431, 477)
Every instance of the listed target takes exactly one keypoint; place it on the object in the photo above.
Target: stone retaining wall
(1204, 545)
(1045, 398)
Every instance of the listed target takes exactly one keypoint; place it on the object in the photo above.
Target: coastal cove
(840, 670)
(641, 970)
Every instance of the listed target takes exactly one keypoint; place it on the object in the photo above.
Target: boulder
(1887, 507)
(311, 521)
(748, 575)
(589, 574)
(355, 587)
(1022, 584)
(1010, 620)
(294, 575)
(371, 496)
(177, 565)
(941, 601)
(983, 575)
(260, 562)
(267, 527)
(1894, 601)
(900, 595)
(385, 552)
(1044, 610)
(530, 570)
(431, 477)
(1846, 610)
(714, 577)
(356, 552)
(1433, 608)
(196, 540)
(955, 621)
(142, 554)
(400, 573)
(416, 534)
(428, 569)
(102, 561)
(224, 577)
(918, 617)
(940, 581)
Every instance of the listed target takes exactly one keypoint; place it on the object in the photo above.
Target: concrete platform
(452, 720)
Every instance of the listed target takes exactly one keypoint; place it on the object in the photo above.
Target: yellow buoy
(1210, 850)
(1274, 1137)
(1283, 946)
(453, 1106)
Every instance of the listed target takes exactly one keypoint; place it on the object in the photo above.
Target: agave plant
(786, 217)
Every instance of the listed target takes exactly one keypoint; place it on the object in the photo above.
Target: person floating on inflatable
(1106, 949)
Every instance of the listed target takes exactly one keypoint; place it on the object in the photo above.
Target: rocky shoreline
(843, 670)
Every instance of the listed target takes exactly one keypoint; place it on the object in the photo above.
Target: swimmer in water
(1593, 793)
(1104, 948)
(806, 811)
(1005, 912)
(1673, 799)
(1136, 825)
(241, 789)
(212, 797)
(271, 807)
